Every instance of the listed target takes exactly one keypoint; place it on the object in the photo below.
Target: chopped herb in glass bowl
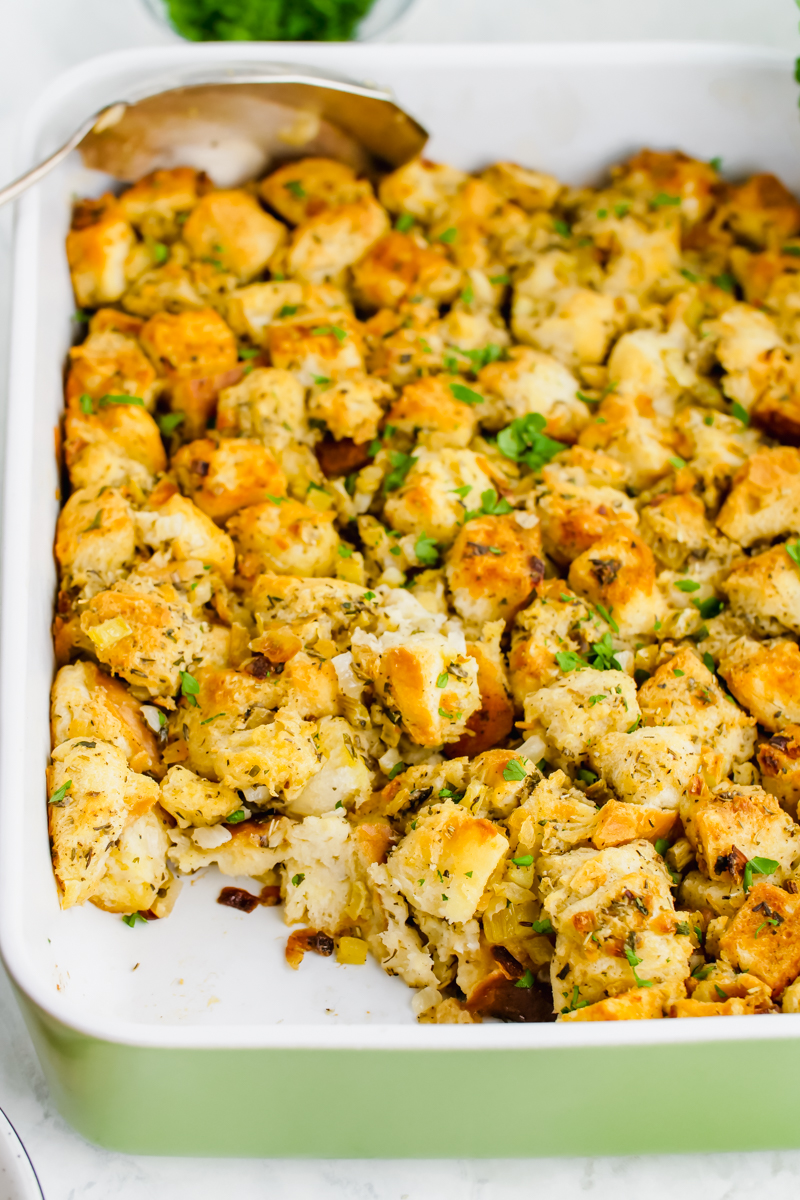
(278, 20)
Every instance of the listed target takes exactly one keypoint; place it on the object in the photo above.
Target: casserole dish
(191, 1036)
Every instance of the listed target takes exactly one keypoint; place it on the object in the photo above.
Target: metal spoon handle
(100, 119)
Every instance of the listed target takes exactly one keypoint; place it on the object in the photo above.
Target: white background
(39, 39)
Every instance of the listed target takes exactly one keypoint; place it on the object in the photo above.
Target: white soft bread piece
(576, 710)
(647, 766)
(532, 382)
(622, 896)
(429, 499)
(251, 848)
(554, 819)
(443, 866)
(181, 526)
(87, 703)
(343, 782)
(194, 801)
(281, 755)
(95, 538)
(137, 875)
(101, 797)
(320, 871)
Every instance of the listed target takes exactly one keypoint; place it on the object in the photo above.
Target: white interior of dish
(210, 975)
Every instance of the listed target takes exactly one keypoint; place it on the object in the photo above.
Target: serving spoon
(233, 124)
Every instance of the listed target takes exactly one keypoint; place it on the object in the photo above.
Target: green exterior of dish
(422, 1104)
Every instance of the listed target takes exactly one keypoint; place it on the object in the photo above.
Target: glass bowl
(381, 17)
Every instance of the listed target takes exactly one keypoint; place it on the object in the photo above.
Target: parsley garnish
(160, 252)
(288, 310)
(708, 661)
(543, 926)
(404, 222)
(687, 585)
(604, 655)
(344, 551)
(709, 608)
(208, 720)
(662, 846)
(587, 776)
(793, 550)
(189, 687)
(297, 879)
(169, 422)
(568, 661)
(715, 163)
(450, 793)
(514, 771)
(759, 866)
(498, 279)
(468, 295)
(605, 613)
(678, 463)
(296, 188)
(561, 228)
(621, 210)
(448, 236)
(481, 358)
(442, 681)
(740, 413)
(702, 972)
(664, 200)
(396, 769)
(131, 919)
(465, 395)
(425, 550)
(726, 282)
(401, 465)
(683, 929)
(526, 981)
(57, 797)
(86, 404)
(104, 401)
(324, 330)
(634, 961)
(523, 441)
(523, 860)
(236, 817)
(491, 506)
(98, 516)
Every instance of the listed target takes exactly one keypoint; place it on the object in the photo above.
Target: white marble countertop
(42, 38)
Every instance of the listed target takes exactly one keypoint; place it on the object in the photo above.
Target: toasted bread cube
(717, 446)
(619, 571)
(494, 720)
(628, 429)
(574, 324)
(189, 344)
(321, 346)
(765, 679)
(155, 202)
(655, 172)
(120, 444)
(95, 537)
(136, 869)
(764, 936)
(194, 801)
(98, 248)
(622, 896)
(231, 229)
(349, 407)
(103, 798)
(492, 568)
(649, 766)
(307, 186)
(619, 823)
(287, 538)
(682, 691)
(400, 266)
(571, 716)
(555, 818)
(422, 188)
(250, 848)
(87, 703)
(344, 780)
(531, 190)
(261, 406)
(737, 1006)
(766, 590)
(574, 515)
(428, 498)
(764, 501)
(224, 476)
(427, 409)
(675, 528)
(443, 866)
(529, 381)
(407, 680)
(639, 1004)
(733, 824)
(319, 873)
(173, 288)
(761, 210)
(779, 763)
(323, 246)
(551, 623)
(281, 756)
(189, 533)
(144, 632)
(251, 310)
(110, 363)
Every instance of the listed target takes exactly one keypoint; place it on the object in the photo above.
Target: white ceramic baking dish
(191, 1035)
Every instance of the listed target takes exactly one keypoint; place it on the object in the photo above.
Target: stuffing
(145, 632)
(232, 231)
(765, 590)
(307, 186)
(137, 875)
(779, 764)
(109, 363)
(284, 537)
(683, 692)
(100, 245)
(580, 708)
(93, 797)
(765, 679)
(323, 245)
(528, 381)
(399, 267)
(95, 537)
(622, 897)
(429, 411)
(647, 766)
(575, 513)
(349, 407)
(436, 492)
(732, 825)
(618, 571)
(764, 501)
(224, 476)
(428, 556)
(492, 568)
